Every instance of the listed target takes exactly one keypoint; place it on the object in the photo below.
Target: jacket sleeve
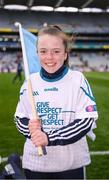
(21, 116)
(22, 126)
(70, 133)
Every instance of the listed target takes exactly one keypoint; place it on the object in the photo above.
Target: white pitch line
(99, 152)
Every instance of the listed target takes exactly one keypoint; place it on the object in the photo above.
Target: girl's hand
(33, 125)
(38, 137)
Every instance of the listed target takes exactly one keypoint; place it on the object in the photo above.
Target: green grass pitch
(12, 142)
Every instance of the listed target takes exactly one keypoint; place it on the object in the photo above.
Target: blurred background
(86, 21)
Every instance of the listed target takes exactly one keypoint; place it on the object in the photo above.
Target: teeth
(50, 64)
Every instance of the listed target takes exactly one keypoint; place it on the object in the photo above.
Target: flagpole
(27, 76)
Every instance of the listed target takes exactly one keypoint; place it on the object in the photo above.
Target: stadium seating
(71, 23)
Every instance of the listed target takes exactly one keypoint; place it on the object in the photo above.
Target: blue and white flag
(30, 41)
(31, 65)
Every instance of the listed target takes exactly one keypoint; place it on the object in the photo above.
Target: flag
(31, 65)
(30, 41)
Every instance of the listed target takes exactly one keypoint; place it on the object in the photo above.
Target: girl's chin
(51, 70)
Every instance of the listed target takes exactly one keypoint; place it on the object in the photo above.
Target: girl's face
(51, 52)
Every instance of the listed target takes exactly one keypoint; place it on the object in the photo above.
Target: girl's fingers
(39, 138)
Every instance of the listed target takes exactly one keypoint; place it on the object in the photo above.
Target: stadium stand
(89, 29)
(8, 61)
(71, 22)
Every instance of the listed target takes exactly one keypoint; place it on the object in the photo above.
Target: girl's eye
(56, 51)
(42, 52)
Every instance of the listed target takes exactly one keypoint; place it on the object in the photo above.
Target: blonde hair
(56, 31)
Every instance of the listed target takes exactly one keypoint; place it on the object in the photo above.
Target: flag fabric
(30, 41)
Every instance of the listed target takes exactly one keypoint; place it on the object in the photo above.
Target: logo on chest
(51, 89)
(35, 93)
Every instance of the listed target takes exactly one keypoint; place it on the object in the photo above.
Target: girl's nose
(49, 54)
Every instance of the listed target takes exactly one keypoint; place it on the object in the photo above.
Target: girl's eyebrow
(51, 49)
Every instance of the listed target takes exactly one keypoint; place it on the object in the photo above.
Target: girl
(67, 108)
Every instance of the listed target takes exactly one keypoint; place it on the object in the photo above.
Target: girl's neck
(57, 74)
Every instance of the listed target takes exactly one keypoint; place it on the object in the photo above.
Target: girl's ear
(66, 56)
